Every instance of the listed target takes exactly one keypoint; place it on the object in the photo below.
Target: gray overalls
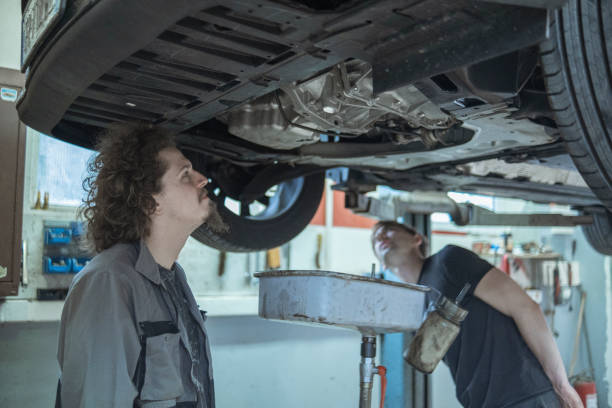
(122, 342)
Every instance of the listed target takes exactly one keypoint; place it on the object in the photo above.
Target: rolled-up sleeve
(98, 343)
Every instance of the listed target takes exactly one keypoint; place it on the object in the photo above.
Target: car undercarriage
(266, 96)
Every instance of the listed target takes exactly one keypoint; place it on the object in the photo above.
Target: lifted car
(504, 97)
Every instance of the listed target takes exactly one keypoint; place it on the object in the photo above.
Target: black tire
(248, 234)
(577, 67)
(599, 234)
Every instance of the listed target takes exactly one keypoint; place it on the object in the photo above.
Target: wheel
(577, 67)
(599, 234)
(270, 221)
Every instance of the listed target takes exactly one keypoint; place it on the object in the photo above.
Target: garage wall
(596, 278)
(10, 34)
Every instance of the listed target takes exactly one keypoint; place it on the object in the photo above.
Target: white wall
(596, 278)
(10, 34)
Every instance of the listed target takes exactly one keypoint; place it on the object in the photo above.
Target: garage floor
(29, 370)
(243, 348)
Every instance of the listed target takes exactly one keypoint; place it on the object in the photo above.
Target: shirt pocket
(162, 378)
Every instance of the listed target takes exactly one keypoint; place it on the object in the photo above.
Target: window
(61, 170)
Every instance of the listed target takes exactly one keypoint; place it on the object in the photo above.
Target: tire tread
(573, 83)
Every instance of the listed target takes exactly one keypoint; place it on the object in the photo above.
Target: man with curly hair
(131, 332)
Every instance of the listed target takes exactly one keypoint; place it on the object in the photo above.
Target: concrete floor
(28, 368)
(257, 363)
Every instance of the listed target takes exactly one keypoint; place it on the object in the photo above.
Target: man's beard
(214, 221)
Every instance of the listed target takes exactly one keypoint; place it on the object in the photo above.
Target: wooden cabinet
(12, 157)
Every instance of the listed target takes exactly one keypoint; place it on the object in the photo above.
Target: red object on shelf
(504, 266)
(587, 392)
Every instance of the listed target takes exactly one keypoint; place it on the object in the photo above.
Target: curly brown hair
(121, 182)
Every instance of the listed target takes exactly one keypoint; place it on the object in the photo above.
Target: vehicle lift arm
(461, 214)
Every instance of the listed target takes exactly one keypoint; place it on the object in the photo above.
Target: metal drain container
(371, 306)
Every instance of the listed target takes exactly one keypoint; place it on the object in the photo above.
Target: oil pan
(371, 306)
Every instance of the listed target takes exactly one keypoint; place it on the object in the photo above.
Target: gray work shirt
(199, 390)
(110, 304)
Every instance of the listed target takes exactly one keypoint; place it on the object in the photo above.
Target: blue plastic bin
(59, 264)
(57, 235)
(79, 263)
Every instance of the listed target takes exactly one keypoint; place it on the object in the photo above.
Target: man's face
(183, 198)
(394, 245)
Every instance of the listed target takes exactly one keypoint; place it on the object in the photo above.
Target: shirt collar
(146, 265)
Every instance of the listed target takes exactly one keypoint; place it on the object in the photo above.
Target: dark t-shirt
(489, 361)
